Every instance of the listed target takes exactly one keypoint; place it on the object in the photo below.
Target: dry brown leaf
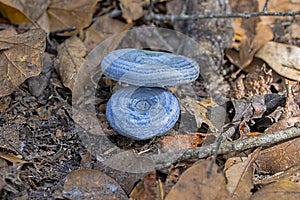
(252, 33)
(71, 55)
(282, 58)
(147, 189)
(194, 184)
(177, 142)
(283, 189)
(280, 157)
(278, 6)
(239, 174)
(20, 58)
(295, 30)
(31, 9)
(256, 82)
(101, 29)
(127, 161)
(208, 112)
(132, 9)
(13, 11)
(70, 13)
(4, 103)
(12, 158)
(91, 184)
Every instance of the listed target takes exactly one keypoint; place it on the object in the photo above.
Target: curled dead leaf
(20, 58)
(194, 184)
(282, 58)
(91, 184)
(280, 157)
(70, 59)
(132, 9)
(12, 10)
(283, 189)
(70, 13)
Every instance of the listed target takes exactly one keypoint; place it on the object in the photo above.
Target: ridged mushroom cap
(149, 68)
(141, 112)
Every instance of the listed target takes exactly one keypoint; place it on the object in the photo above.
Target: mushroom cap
(149, 68)
(142, 112)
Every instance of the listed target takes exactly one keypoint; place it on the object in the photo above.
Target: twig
(158, 17)
(167, 159)
(266, 6)
(224, 136)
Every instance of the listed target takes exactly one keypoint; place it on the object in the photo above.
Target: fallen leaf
(70, 13)
(91, 184)
(280, 157)
(132, 9)
(71, 55)
(256, 106)
(278, 6)
(295, 29)
(208, 112)
(256, 82)
(4, 103)
(252, 32)
(282, 58)
(12, 158)
(239, 174)
(127, 161)
(147, 189)
(194, 184)
(180, 141)
(101, 29)
(38, 84)
(283, 189)
(13, 11)
(20, 58)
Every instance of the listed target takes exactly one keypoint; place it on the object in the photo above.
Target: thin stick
(158, 17)
(167, 159)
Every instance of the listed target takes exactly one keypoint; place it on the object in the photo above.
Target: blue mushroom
(149, 68)
(142, 112)
(145, 109)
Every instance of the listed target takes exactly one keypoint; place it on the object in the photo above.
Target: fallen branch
(167, 159)
(181, 17)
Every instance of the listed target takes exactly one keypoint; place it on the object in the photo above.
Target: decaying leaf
(208, 112)
(147, 189)
(132, 9)
(71, 55)
(239, 174)
(282, 58)
(282, 124)
(255, 83)
(20, 58)
(256, 106)
(127, 161)
(194, 184)
(278, 6)
(252, 32)
(13, 11)
(12, 158)
(181, 141)
(91, 184)
(280, 157)
(70, 13)
(102, 28)
(283, 189)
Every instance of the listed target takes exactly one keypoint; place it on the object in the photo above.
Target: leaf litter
(40, 142)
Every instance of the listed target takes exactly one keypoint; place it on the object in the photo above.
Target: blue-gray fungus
(145, 109)
(149, 68)
(142, 112)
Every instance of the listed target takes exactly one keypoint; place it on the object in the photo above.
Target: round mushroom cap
(149, 68)
(142, 112)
